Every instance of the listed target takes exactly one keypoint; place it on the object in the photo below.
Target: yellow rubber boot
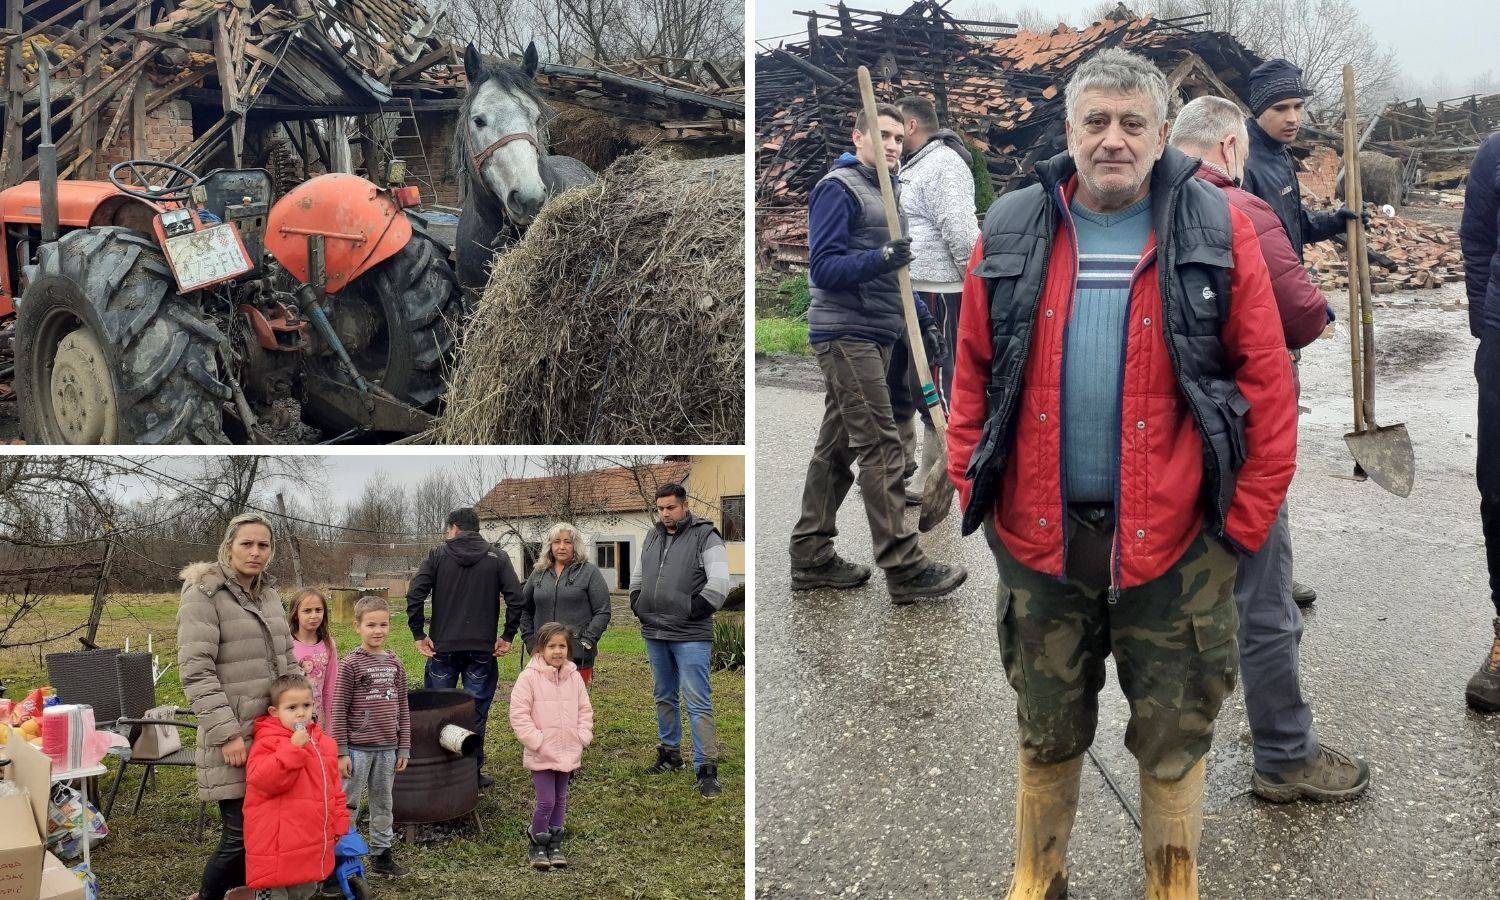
(1171, 826)
(1046, 802)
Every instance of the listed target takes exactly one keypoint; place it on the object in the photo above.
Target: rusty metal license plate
(206, 257)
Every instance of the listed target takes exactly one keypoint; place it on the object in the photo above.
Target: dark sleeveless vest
(871, 310)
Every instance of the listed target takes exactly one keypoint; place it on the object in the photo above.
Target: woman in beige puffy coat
(232, 641)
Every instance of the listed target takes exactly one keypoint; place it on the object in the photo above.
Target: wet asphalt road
(885, 736)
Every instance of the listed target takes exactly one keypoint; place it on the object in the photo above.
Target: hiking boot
(384, 865)
(668, 759)
(836, 573)
(914, 492)
(554, 848)
(1302, 595)
(1328, 774)
(932, 580)
(1483, 692)
(708, 781)
(537, 853)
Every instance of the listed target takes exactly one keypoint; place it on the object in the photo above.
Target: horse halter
(480, 158)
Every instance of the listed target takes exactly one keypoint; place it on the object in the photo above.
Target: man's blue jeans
(480, 675)
(683, 665)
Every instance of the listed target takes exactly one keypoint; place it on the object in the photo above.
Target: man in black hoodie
(469, 580)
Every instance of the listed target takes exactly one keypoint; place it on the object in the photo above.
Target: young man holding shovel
(1276, 109)
(855, 318)
(1124, 428)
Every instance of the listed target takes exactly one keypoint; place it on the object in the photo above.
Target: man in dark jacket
(470, 582)
(1480, 236)
(855, 318)
(1276, 108)
(1290, 762)
(1124, 428)
(681, 580)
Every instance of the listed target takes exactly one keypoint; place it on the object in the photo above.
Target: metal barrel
(437, 785)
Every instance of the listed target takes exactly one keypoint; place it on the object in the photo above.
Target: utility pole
(291, 540)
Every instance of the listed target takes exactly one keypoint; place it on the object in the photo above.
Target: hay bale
(618, 319)
(596, 138)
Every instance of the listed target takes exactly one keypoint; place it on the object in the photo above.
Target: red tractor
(173, 308)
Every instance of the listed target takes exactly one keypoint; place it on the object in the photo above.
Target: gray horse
(502, 139)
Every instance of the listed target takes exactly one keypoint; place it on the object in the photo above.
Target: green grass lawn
(777, 335)
(630, 834)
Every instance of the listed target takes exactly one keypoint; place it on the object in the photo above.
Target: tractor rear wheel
(418, 310)
(109, 353)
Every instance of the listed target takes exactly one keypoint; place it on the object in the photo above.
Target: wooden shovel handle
(893, 222)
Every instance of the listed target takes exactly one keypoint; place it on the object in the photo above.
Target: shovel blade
(1385, 454)
(937, 494)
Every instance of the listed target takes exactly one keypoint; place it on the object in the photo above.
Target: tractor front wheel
(109, 353)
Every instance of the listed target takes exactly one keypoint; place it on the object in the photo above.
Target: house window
(734, 518)
(605, 556)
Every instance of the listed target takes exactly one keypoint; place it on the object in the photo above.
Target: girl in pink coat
(552, 717)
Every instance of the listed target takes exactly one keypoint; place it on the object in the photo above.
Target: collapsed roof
(1000, 87)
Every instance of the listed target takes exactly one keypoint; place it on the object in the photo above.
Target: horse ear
(473, 64)
(529, 61)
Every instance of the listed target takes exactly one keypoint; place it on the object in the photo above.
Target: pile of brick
(1417, 255)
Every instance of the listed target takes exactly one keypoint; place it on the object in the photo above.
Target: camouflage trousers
(1173, 640)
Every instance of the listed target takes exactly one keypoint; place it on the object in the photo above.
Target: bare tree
(380, 511)
(1027, 17)
(432, 499)
(599, 31)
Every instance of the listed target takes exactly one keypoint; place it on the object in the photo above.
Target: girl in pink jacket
(552, 717)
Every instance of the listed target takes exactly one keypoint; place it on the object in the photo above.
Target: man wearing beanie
(1276, 105)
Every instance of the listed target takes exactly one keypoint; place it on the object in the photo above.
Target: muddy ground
(886, 736)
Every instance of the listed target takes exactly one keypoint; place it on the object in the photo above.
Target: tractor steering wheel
(146, 193)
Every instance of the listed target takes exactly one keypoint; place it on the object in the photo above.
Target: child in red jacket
(294, 803)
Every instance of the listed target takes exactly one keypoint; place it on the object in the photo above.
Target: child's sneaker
(538, 853)
(384, 865)
(554, 849)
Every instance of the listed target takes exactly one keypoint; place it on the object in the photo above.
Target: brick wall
(437, 142)
(168, 127)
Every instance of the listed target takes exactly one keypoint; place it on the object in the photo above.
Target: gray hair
(545, 560)
(1205, 121)
(1121, 72)
(238, 522)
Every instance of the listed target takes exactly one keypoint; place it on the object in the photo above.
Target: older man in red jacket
(1290, 761)
(1124, 427)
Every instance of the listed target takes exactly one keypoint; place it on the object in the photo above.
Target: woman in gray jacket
(565, 587)
(232, 641)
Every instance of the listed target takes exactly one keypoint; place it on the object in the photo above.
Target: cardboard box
(20, 850)
(59, 882)
(32, 770)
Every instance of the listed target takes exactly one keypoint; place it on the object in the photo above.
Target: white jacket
(937, 196)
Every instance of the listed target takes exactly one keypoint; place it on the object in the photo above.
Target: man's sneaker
(708, 780)
(668, 759)
(1302, 595)
(1328, 775)
(836, 573)
(384, 865)
(932, 580)
(537, 854)
(1483, 692)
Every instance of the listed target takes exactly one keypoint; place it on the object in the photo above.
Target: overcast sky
(1456, 37)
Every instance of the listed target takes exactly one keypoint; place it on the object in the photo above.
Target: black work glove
(894, 254)
(932, 342)
(1345, 214)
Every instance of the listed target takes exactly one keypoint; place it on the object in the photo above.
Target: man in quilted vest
(855, 318)
(1124, 428)
(1290, 761)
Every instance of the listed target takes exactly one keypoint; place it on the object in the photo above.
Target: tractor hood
(362, 226)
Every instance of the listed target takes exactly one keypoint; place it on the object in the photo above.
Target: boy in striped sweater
(372, 727)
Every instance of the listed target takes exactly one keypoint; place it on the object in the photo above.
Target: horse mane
(512, 79)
